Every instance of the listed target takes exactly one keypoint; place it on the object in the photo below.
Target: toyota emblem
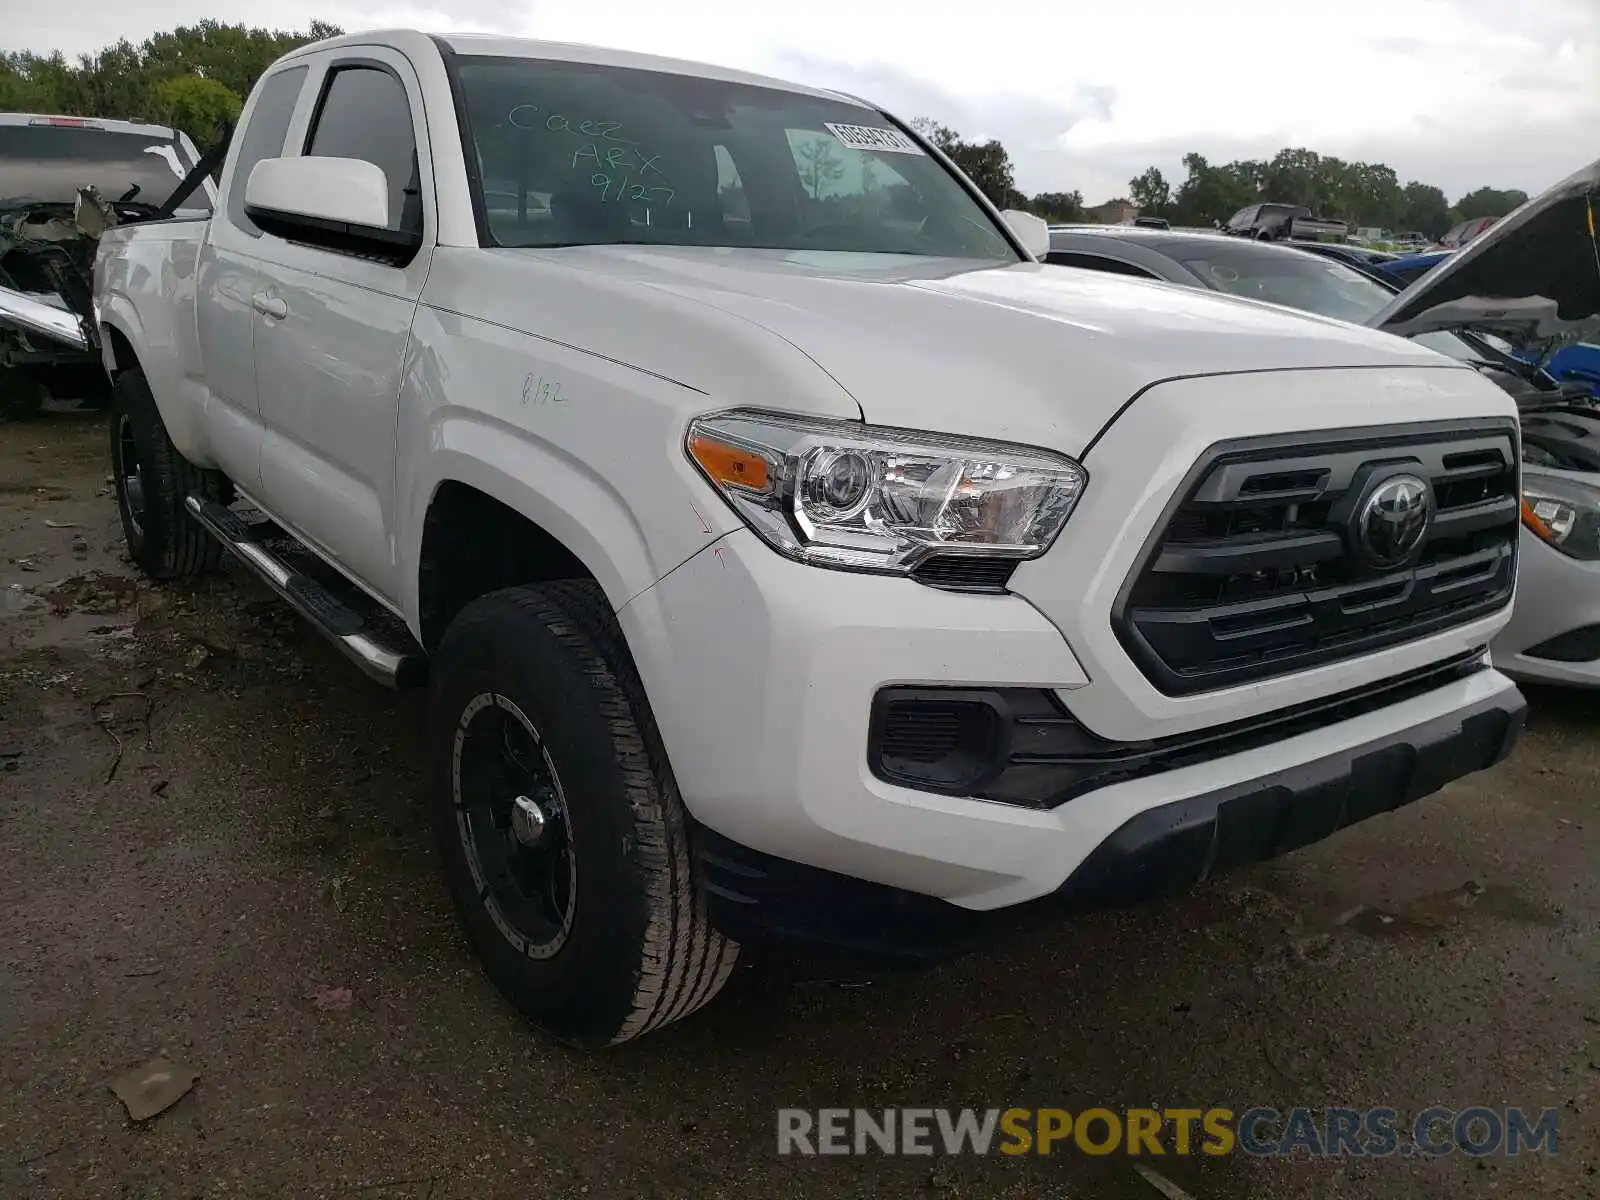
(1393, 521)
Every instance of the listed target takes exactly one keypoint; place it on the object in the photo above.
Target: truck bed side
(144, 287)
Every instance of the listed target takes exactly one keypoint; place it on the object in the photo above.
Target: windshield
(574, 153)
(50, 163)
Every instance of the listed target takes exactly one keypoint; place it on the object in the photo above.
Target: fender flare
(114, 312)
(540, 484)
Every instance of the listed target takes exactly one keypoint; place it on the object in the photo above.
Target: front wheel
(565, 844)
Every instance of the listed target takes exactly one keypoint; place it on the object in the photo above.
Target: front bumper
(1164, 849)
(1558, 596)
(762, 674)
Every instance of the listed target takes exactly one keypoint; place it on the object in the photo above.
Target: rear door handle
(269, 306)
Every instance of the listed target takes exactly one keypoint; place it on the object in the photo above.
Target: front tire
(565, 843)
(152, 480)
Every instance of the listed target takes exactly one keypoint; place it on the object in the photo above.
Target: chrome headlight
(843, 494)
(1562, 511)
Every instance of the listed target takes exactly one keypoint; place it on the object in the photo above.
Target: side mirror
(1033, 232)
(340, 204)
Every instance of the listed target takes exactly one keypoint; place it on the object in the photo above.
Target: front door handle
(269, 306)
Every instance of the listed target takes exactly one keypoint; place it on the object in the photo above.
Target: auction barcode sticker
(873, 137)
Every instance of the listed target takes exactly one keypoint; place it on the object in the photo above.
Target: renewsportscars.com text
(1377, 1132)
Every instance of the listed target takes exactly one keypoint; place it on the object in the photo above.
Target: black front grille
(1257, 572)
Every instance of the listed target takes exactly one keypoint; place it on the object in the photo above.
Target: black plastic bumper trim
(1039, 756)
(1575, 646)
(1176, 846)
(757, 897)
(754, 897)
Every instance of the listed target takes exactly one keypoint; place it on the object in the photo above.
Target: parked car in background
(1554, 634)
(1577, 362)
(1409, 242)
(63, 180)
(1405, 269)
(1533, 280)
(1460, 235)
(1279, 222)
(1355, 256)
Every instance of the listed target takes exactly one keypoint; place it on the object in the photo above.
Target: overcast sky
(1084, 93)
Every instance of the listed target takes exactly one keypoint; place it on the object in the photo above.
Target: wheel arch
(485, 525)
(126, 345)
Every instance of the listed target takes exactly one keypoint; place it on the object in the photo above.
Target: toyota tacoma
(789, 554)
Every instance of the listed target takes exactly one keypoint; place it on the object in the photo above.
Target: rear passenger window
(364, 114)
(263, 136)
(1093, 262)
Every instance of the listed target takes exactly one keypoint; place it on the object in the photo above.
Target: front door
(332, 328)
(228, 274)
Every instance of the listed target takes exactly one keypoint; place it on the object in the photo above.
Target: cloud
(1452, 92)
(1025, 123)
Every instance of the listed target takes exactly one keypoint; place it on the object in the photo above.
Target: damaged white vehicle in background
(63, 182)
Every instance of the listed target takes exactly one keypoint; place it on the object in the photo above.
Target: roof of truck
(513, 47)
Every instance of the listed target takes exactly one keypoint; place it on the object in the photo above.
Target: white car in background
(1531, 279)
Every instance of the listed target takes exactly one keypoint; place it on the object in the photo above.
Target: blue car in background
(1570, 364)
(1576, 364)
(1408, 268)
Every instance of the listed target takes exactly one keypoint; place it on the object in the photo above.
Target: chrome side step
(390, 658)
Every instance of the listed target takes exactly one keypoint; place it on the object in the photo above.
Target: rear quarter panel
(144, 289)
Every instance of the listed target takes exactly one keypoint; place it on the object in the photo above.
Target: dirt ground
(209, 823)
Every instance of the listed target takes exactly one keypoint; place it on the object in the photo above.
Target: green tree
(1295, 176)
(1360, 193)
(941, 136)
(1424, 210)
(985, 163)
(1059, 208)
(1489, 202)
(1150, 193)
(1211, 194)
(1372, 195)
(989, 166)
(132, 81)
(200, 107)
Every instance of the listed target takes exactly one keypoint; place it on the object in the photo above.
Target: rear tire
(152, 479)
(585, 915)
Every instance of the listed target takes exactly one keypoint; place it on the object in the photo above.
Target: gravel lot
(208, 821)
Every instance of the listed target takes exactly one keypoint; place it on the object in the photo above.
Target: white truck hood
(1022, 352)
(1534, 276)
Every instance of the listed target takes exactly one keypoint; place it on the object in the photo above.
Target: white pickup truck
(787, 552)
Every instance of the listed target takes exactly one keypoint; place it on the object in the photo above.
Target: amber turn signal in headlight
(842, 494)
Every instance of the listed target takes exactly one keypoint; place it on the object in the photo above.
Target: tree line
(1361, 193)
(196, 77)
